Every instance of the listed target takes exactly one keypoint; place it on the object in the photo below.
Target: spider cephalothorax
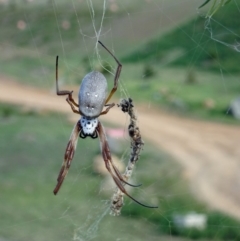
(92, 99)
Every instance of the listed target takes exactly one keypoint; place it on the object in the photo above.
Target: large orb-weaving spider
(92, 98)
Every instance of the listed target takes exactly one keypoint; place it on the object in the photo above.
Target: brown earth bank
(209, 152)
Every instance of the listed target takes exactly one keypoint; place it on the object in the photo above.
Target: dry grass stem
(136, 147)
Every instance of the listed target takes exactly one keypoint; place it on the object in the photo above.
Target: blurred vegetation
(32, 34)
(208, 96)
(164, 72)
(32, 153)
(33, 142)
(33, 145)
(191, 44)
(148, 71)
(216, 5)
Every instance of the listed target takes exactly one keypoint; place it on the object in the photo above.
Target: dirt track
(209, 152)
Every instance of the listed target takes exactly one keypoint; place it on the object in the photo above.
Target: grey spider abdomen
(92, 94)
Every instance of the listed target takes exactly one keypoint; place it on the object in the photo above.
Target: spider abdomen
(92, 94)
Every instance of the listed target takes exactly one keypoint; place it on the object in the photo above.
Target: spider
(91, 101)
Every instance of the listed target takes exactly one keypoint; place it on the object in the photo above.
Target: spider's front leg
(70, 99)
(72, 106)
(117, 74)
(109, 106)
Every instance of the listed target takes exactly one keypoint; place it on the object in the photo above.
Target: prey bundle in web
(136, 147)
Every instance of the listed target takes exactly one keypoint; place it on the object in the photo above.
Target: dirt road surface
(209, 152)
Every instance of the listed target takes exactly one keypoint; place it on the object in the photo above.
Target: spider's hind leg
(119, 175)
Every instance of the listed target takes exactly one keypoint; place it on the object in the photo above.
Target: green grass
(33, 144)
(191, 44)
(29, 55)
(169, 88)
(32, 147)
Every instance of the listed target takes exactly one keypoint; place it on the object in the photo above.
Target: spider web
(90, 220)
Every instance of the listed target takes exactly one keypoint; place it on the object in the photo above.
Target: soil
(209, 152)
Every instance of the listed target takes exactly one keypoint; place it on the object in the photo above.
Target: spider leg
(108, 164)
(72, 106)
(119, 175)
(108, 156)
(117, 74)
(69, 153)
(64, 92)
(123, 190)
(108, 108)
